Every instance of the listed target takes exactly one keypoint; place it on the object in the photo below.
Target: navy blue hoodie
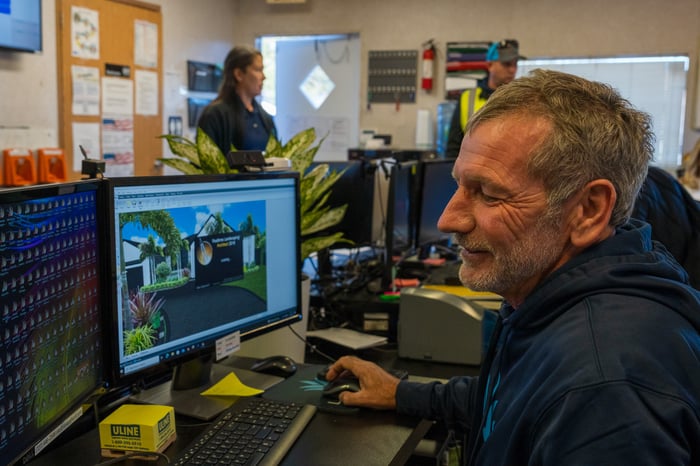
(599, 365)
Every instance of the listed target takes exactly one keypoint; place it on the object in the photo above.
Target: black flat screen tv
(20, 25)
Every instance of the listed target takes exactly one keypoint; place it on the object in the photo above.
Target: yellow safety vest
(469, 103)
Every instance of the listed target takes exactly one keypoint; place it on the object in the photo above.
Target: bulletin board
(110, 61)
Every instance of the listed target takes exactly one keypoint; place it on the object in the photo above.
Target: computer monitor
(435, 188)
(400, 215)
(356, 189)
(199, 261)
(51, 345)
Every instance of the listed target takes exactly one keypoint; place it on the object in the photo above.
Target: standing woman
(235, 118)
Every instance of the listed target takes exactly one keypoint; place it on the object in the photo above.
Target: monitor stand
(189, 401)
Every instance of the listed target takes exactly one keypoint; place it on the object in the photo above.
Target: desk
(368, 437)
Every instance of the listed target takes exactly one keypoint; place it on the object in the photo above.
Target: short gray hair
(595, 134)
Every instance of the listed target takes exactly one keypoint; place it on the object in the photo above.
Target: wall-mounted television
(20, 25)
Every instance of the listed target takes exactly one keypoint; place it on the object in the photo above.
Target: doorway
(314, 81)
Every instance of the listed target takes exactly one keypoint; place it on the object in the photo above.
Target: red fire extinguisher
(428, 65)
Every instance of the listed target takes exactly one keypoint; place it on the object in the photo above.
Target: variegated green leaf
(184, 166)
(211, 157)
(326, 220)
(182, 147)
(312, 245)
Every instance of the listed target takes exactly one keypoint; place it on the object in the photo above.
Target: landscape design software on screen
(198, 260)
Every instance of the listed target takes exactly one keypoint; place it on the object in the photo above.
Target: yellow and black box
(137, 428)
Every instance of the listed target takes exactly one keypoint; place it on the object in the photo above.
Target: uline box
(137, 428)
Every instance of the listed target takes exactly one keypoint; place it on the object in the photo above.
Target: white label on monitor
(228, 345)
(58, 430)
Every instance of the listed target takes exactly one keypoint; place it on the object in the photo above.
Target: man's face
(499, 213)
(501, 73)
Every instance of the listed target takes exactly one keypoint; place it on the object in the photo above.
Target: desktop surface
(368, 437)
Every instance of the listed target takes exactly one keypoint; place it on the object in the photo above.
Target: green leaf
(182, 147)
(211, 157)
(312, 223)
(185, 167)
(312, 245)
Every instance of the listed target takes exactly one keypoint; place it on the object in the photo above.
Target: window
(654, 84)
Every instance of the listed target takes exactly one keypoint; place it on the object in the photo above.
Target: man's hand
(377, 387)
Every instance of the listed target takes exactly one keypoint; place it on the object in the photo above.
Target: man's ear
(590, 220)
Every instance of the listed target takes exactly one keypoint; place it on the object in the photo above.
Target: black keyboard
(254, 431)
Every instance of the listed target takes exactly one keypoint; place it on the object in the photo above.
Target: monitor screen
(20, 25)
(435, 188)
(356, 189)
(195, 259)
(51, 333)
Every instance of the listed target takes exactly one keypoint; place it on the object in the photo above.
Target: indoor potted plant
(203, 156)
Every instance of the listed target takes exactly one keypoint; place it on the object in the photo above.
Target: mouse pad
(302, 387)
(305, 387)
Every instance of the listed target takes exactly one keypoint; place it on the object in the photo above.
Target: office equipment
(435, 188)
(51, 309)
(199, 263)
(52, 165)
(436, 325)
(21, 26)
(282, 366)
(253, 431)
(203, 77)
(335, 387)
(356, 189)
(195, 107)
(400, 217)
(19, 167)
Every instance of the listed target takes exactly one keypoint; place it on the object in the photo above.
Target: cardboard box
(136, 428)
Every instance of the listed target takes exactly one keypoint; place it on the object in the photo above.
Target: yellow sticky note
(231, 386)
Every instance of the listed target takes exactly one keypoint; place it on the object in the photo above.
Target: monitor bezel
(158, 373)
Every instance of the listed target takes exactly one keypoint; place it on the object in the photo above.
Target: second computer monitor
(435, 188)
(356, 189)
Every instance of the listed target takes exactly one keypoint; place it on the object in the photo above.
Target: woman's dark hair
(240, 57)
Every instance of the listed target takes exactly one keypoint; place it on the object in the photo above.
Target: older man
(596, 355)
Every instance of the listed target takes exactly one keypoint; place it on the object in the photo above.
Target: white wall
(206, 29)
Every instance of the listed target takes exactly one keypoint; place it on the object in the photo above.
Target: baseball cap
(504, 51)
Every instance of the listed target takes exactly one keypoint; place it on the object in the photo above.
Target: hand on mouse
(377, 387)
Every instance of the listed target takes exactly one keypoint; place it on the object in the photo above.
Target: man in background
(502, 61)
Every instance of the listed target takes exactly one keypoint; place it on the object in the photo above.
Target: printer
(444, 324)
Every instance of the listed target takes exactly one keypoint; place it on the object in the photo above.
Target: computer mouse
(281, 366)
(340, 384)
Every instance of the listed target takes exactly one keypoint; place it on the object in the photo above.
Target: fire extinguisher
(428, 65)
